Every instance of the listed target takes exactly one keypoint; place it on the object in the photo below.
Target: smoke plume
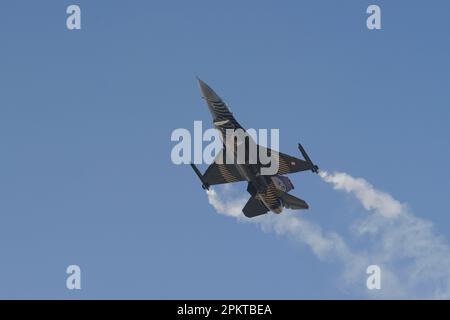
(415, 261)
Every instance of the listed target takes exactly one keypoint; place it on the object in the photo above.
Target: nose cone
(207, 92)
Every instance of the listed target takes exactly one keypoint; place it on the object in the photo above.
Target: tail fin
(254, 207)
(292, 202)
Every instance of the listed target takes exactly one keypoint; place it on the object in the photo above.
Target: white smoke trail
(381, 202)
(299, 229)
(415, 261)
(230, 208)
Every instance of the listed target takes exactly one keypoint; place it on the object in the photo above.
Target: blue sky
(86, 117)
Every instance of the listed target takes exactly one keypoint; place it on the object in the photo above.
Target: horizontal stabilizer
(292, 202)
(254, 207)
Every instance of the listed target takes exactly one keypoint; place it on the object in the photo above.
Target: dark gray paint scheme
(268, 192)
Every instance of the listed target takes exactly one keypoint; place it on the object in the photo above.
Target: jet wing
(288, 164)
(222, 116)
(220, 172)
(254, 207)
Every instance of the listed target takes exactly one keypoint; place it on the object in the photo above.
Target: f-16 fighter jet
(269, 192)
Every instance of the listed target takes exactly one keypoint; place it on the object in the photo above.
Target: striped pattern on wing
(222, 173)
(288, 164)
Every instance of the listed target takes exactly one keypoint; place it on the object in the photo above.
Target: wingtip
(207, 92)
(200, 81)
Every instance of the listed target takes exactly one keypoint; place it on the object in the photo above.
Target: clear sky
(86, 116)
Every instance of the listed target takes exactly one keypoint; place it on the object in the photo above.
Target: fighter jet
(268, 192)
